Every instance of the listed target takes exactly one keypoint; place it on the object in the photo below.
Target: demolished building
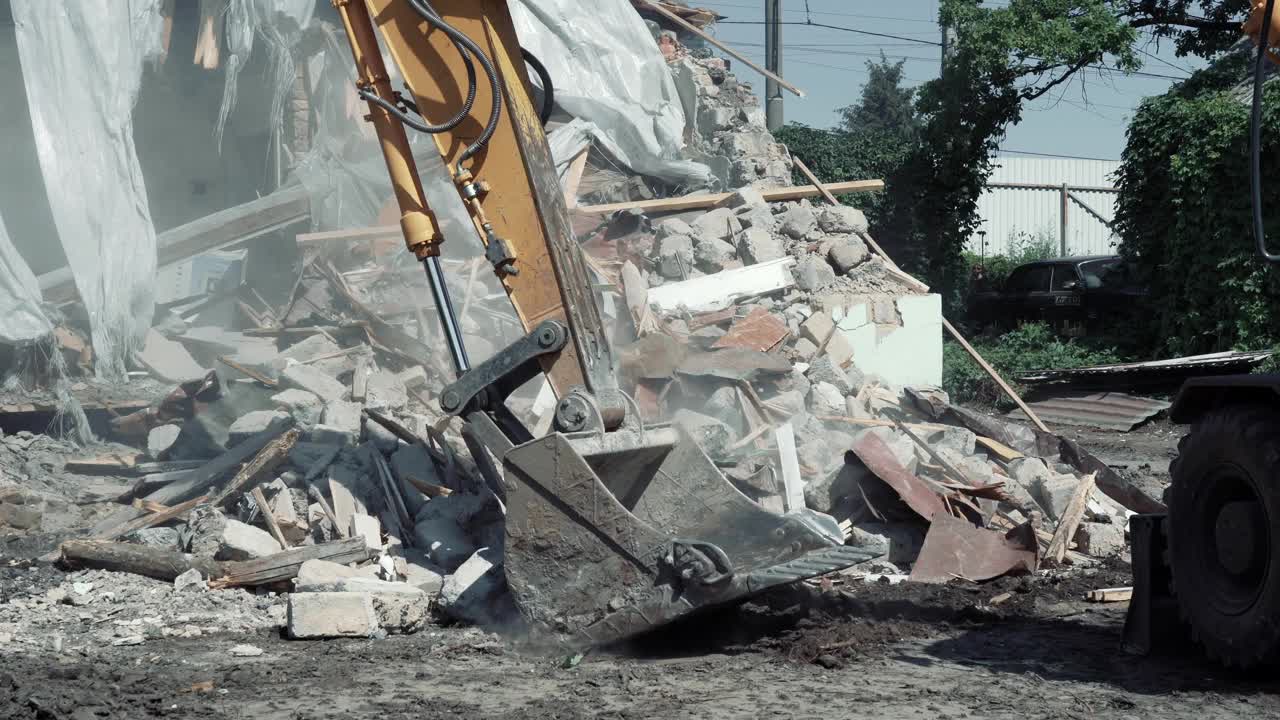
(278, 425)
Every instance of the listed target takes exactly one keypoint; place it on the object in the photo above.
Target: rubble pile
(298, 446)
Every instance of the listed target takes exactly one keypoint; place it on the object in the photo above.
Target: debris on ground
(285, 463)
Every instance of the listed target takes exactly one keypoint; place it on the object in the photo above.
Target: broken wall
(82, 65)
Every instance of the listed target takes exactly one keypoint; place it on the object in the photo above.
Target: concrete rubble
(765, 314)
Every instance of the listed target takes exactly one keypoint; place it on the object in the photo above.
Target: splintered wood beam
(284, 565)
(260, 467)
(261, 499)
(1070, 520)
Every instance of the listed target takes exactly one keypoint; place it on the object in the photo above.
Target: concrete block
(713, 255)
(713, 435)
(240, 541)
(331, 615)
(313, 380)
(161, 537)
(848, 254)
(718, 224)
(818, 328)
(1053, 492)
(413, 377)
(472, 593)
(1101, 540)
(841, 219)
(312, 347)
(369, 528)
(252, 423)
(756, 245)
(675, 256)
(160, 439)
(956, 439)
(385, 391)
(446, 528)
(825, 399)
(746, 197)
(305, 407)
(822, 370)
(798, 221)
(325, 576)
(168, 360)
(813, 272)
(673, 227)
(343, 418)
(402, 612)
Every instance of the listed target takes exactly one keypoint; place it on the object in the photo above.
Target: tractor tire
(1224, 534)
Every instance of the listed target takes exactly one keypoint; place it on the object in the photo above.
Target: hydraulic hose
(548, 91)
(1255, 138)
(428, 13)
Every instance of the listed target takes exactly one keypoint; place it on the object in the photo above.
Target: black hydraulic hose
(429, 14)
(1255, 138)
(548, 91)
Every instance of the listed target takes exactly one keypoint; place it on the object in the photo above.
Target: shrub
(1028, 348)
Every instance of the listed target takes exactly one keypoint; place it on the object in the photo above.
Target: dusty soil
(1014, 648)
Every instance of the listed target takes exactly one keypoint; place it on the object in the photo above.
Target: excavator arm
(612, 527)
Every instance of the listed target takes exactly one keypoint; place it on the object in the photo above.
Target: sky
(1084, 118)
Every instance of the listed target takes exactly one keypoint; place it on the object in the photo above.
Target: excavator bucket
(611, 535)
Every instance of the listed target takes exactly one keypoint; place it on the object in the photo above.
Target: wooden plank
(344, 504)
(664, 12)
(1000, 450)
(248, 372)
(222, 229)
(706, 202)
(284, 565)
(1120, 594)
(381, 232)
(112, 464)
(573, 177)
(431, 490)
(202, 480)
(318, 497)
(1070, 520)
(261, 468)
(269, 517)
(170, 513)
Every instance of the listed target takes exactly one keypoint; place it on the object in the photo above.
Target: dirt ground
(857, 650)
(1011, 648)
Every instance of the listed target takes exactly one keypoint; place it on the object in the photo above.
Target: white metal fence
(1068, 202)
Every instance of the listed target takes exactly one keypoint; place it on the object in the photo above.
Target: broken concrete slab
(240, 541)
(402, 612)
(718, 224)
(304, 406)
(339, 423)
(315, 346)
(1100, 540)
(823, 370)
(369, 528)
(331, 615)
(757, 245)
(675, 257)
(447, 527)
(313, 380)
(825, 399)
(475, 592)
(819, 328)
(251, 424)
(160, 439)
(168, 360)
(673, 227)
(714, 255)
(713, 435)
(385, 391)
(326, 576)
(813, 273)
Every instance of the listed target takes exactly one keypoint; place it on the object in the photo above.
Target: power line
(1055, 155)
(828, 12)
(836, 27)
(1153, 56)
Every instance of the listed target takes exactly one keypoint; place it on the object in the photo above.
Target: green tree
(885, 107)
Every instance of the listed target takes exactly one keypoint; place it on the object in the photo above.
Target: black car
(1070, 294)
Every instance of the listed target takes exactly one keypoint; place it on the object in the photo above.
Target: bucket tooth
(592, 570)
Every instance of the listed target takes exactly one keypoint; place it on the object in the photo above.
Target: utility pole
(948, 42)
(773, 62)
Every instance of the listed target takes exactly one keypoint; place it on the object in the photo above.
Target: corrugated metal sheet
(1231, 361)
(1109, 411)
(1007, 212)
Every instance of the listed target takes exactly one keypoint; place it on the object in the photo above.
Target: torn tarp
(82, 65)
(607, 70)
(21, 319)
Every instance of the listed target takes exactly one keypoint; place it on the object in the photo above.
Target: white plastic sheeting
(280, 24)
(607, 70)
(21, 319)
(82, 65)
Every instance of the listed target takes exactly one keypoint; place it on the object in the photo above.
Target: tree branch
(1186, 21)
(1057, 81)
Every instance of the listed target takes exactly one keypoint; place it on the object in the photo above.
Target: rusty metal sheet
(879, 459)
(1107, 410)
(734, 364)
(954, 548)
(1154, 372)
(759, 330)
